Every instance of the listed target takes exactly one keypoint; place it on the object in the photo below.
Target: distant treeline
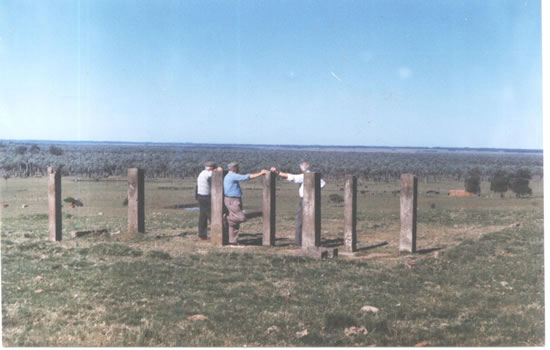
(19, 159)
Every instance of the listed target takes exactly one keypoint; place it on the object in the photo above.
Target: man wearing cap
(232, 198)
(203, 196)
(299, 179)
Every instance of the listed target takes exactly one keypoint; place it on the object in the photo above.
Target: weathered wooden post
(268, 238)
(408, 201)
(218, 233)
(350, 214)
(54, 204)
(311, 211)
(136, 200)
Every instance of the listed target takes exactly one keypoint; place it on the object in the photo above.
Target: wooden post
(350, 214)
(136, 200)
(311, 211)
(269, 209)
(408, 201)
(54, 204)
(218, 233)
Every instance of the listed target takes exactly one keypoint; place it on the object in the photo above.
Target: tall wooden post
(136, 200)
(350, 214)
(218, 233)
(269, 209)
(408, 201)
(311, 211)
(54, 204)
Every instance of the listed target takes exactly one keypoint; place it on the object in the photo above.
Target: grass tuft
(114, 249)
(336, 321)
(155, 254)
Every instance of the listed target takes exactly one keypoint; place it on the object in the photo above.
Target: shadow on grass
(253, 239)
(256, 239)
(181, 206)
(183, 234)
(428, 250)
(284, 242)
(253, 214)
(377, 245)
(332, 243)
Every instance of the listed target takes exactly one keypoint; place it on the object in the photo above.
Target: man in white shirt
(299, 179)
(203, 196)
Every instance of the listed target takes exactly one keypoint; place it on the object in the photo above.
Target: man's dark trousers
(299, 224)
(204, 215)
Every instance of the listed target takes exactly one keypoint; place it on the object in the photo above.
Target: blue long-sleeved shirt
(231, 187)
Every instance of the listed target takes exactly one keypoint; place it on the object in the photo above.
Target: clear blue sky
(383, 72)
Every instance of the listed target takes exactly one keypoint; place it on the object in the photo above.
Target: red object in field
(5, 205)
(459, 193)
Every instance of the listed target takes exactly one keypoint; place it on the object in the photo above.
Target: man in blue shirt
(232, 198)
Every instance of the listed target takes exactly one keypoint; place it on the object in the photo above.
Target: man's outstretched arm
(261, 173)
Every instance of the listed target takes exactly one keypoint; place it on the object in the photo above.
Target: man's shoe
(204, 238)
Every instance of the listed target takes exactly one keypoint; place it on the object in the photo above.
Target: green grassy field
(477, 282)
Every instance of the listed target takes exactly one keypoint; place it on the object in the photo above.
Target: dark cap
(210, 164)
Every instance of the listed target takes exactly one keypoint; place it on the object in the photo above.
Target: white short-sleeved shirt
(203, 182)
(299, 179)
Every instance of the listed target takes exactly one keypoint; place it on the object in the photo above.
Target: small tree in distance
(56, 151)
(34, 149)
(519, 182)
(472, 181)
(500, 182)
(6, 176)
(20, 150)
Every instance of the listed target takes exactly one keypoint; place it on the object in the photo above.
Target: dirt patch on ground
(380, 246)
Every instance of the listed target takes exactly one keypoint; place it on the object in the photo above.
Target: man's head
(233, 166)
(304, 166)
(210, 165)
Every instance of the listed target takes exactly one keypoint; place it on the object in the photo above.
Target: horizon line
(271, 145)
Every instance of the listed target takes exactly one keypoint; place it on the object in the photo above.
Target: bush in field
(6, 176)
(34, 149)
(74, 202)
(500, 182)
(473, 180)
(336, 198)
(519, 182)
(56, 151)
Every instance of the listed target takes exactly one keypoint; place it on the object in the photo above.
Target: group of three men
(233, 197)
